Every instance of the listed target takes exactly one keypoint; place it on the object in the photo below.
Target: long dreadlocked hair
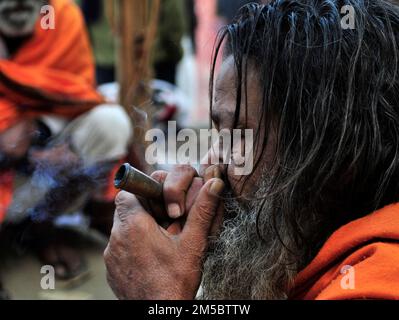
(332, 95)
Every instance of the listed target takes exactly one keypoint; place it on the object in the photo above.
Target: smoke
(54, 189)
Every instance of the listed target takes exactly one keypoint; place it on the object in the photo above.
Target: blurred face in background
(18, 17)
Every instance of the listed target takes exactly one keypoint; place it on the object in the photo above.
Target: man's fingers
(193, 188)
(131, 216)
(201, 217)
(175, 187)
(126, 204)
(157, 208)
(159, 175)
(193, 192)
(212, 172)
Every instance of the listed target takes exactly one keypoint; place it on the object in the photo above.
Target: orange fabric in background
(52, 73)
(369, 245)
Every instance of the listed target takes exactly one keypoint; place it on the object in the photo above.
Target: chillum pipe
(134, 181)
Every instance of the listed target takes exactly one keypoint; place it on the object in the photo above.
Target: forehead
(226, 84)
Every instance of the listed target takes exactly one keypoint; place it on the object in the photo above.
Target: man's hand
(146, 261)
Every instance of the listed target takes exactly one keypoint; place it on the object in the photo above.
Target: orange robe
(52, 73)
(370, 246)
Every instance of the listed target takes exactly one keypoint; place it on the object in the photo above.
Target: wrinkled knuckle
(185, 169)
(113, 243)
(134, 220)
(138, 222)
(124, 214)
(172, 191)
(123, 199)
(120, 197)
(204, 210)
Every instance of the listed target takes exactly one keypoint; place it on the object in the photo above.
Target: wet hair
(331, 94)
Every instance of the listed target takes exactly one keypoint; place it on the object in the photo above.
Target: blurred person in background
(58, 137)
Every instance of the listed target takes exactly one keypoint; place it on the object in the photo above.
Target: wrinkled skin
(143, 259)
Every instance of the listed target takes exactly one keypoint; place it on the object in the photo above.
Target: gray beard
(19, 24)
(239, 265)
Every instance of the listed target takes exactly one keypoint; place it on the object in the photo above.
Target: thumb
(203, 212)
